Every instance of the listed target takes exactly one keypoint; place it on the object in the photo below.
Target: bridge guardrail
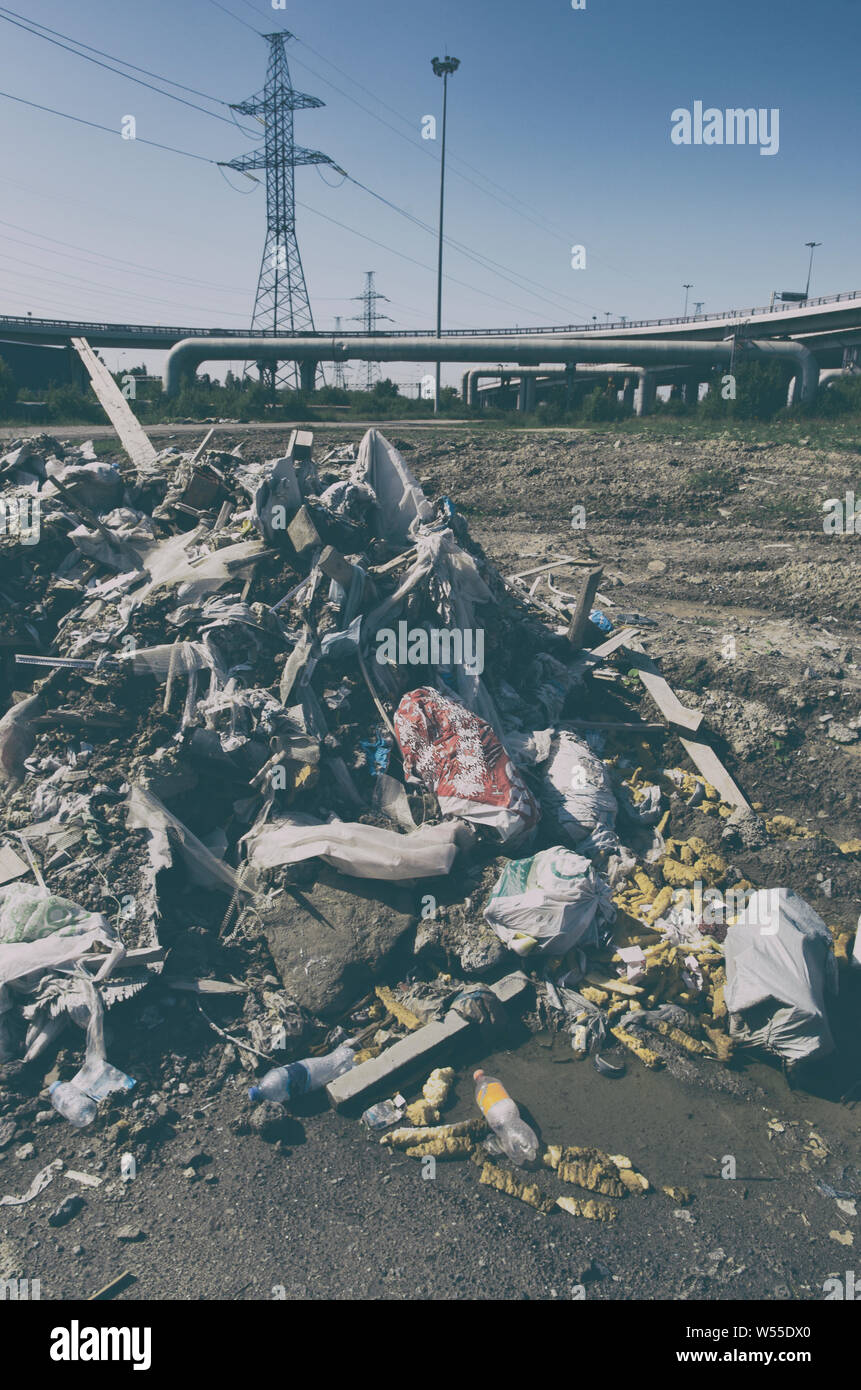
(70, 327)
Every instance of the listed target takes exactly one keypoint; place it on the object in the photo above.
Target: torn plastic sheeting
(365, 851)
(26, 961)
(550, 899)
(780, 953)
(390, 799)
(348, 601)
(646, 811)
(98, 485)
(348, 498)
(97, 1077)
(459, 757)
(529, 749)
(454, 587)
(115, 552)
(577, 793)
(279, 489)
(300, 662)
(167, 562)
(400, 500)
(17, 738)
(344, 644)
(145, 812)
(575, 1006)
(158, 661)
(42, 1179)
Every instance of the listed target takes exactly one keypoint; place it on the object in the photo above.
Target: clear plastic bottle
(73, 1104)
(284, 1084)
(518, 1141)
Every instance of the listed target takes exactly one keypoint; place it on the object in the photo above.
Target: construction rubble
(287, 764)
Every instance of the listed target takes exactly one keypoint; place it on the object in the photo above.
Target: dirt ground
(717, 546)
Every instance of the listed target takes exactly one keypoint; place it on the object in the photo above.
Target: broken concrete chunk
(302, 531)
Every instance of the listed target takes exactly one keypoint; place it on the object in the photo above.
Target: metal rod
(67, 663)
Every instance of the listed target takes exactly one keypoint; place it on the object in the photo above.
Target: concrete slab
(415, 1049)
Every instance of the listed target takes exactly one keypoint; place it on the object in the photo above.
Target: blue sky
(559, 133)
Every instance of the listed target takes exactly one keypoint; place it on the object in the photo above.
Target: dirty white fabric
(578, 795)
(400, 500)
(779, 954)
(365, 851)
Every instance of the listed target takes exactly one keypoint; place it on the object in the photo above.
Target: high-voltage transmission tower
(340, 380)
(281, 305)
(369, 318)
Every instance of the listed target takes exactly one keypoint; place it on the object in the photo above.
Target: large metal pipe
(186, 356)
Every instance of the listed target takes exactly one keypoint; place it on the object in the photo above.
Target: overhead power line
(6, 17)
(79, 120)
(111, 130)
(92, 257)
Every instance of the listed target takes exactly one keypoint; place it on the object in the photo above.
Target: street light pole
(442, 67)
(687, 289)
(813, 245)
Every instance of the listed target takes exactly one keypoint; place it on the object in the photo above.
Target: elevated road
(825, 325)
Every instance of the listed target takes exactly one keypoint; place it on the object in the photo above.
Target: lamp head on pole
(444, 66)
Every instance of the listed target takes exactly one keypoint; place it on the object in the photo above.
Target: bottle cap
(477, 1074)
(254, 1093)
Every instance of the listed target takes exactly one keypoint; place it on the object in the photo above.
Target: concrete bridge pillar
(307, 375)
(691, 388)
(526, 394)
(628, 387)
(644, 402)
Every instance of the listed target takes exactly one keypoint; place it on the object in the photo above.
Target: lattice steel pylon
(340, 378)
(369, 318)
(281, 305)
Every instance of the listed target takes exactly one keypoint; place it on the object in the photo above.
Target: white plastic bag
(549, 900)
(779, 955)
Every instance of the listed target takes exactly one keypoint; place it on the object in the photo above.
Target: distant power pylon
(369, 318)
(340, 380)
(281, 305)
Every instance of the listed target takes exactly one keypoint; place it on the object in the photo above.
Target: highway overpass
(826, 325)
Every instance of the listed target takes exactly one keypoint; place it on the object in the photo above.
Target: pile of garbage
(285, 721)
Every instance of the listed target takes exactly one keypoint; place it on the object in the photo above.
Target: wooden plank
(618, 639)
(583, 607)
(664, 697)
(710, 766)
(333, 564)
(559, 563)
(620, 728)
(201, 446)
(116, 407)
(390, 565)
